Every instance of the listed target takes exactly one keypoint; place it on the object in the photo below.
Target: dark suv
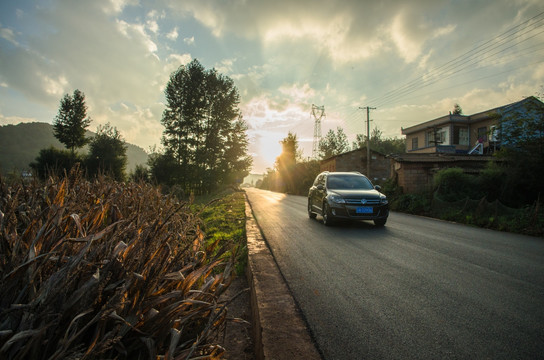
(346, 195)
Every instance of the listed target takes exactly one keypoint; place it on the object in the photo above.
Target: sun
(269, 148)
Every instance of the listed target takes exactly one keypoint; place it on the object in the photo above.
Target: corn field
(103, 270)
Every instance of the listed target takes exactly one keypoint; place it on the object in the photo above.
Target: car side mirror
(320, 187)
(378, 187)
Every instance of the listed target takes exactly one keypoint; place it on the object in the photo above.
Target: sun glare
(270, 148)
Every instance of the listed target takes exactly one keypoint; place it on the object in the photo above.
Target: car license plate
(364, 210)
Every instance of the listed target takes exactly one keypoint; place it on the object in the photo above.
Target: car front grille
(358, 202)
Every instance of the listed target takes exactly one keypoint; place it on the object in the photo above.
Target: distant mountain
(21, 144)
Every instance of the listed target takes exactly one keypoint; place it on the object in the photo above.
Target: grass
(223, 218)
(104, 270)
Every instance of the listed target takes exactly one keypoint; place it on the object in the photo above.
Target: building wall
(380, 167)
(418, 176)
(328, 164)
(473, 137)
(413, 177)
(420, 141)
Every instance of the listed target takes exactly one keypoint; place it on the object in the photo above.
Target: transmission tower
(318, 112)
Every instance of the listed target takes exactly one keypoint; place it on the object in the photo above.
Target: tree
(522, 152)
(457, 110)
(71, 121)
(333, 143)
(237, 161)
(140, 174)
(285, 163)
(392, 145)
(52, 161)
(205, 138)
(107, 153)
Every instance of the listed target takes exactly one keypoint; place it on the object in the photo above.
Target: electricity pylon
(318, 112)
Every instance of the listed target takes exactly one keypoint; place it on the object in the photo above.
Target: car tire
(327, 216)
(311, 214)
(380, 222)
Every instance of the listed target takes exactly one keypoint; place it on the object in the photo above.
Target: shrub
(54, 162)
(453, 184)
(411, 203)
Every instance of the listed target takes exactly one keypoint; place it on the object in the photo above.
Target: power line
(468, 58)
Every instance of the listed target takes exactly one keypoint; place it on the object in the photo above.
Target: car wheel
(380, 222)
(327, 217)
(311, 214)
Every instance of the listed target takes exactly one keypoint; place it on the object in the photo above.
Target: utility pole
(368, 108)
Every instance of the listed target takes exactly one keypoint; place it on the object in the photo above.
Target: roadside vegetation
(223, 217)
(484, 200)
(102, 269)
(294, 174)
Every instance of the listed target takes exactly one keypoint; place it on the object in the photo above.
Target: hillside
(20, 145)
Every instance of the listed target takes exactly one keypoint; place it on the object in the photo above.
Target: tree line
(107, 150)
(204, 142)
(293, 174)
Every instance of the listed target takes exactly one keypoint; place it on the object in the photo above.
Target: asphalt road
(416, 289)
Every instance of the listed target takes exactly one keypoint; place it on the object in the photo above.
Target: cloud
(152, 26)
(9, 35)
(225, 66)
(173, 35)
(298, 93)
(283, 56)
(138, 32)
(117, 6)
(189, 41)
(6, 120)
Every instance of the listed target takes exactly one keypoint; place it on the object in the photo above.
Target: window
(460, 135)
(437, 136)
(319, 180)
(482, 134)
(345, 182)
(414, 143)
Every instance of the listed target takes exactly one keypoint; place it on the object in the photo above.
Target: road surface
(416, 289)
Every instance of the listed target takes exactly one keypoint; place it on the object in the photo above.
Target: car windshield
(346, 182)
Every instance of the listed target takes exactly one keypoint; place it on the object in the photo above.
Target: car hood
(357, 193)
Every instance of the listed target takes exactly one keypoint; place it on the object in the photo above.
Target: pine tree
(71, 121)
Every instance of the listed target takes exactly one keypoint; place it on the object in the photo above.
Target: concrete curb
(279, 330)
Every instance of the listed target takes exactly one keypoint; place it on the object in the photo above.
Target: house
(356, 160)
(454, 141)
(465, 134)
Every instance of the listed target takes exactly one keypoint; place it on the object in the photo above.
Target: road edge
(279, 331)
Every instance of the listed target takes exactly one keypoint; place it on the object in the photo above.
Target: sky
(410, 61)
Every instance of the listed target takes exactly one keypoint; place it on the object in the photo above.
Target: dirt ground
(237, 337)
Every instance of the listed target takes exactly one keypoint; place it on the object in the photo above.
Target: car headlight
(337, 199)
(383, 200)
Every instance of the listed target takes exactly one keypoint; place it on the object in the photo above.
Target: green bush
(453, 184)
(492, 181)
(411, 203)
(52, 161)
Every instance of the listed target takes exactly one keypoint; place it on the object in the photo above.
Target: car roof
(354, 173)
